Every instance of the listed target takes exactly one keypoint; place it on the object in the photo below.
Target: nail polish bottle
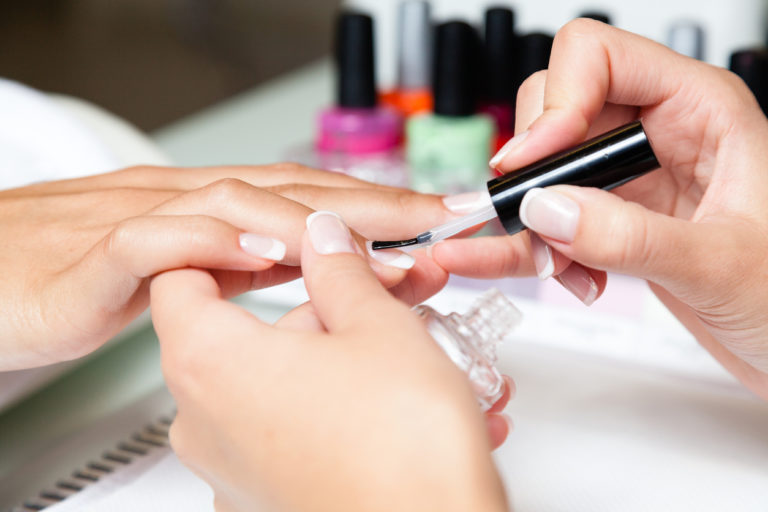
(535, 49)
(687, 38)
(498, 90)
(752, 66)
(471, 340)
(597, 16)
(413, 92)
(357, 137)
(448, 150)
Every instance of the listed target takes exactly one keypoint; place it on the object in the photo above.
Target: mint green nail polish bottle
(448, 150)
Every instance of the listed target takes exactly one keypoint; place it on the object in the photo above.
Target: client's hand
(77, 254)
(346, 404)
(697, 229)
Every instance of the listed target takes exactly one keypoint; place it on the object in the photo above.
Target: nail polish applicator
(605, 162)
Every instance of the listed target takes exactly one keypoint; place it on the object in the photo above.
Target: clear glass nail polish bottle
(471, 339)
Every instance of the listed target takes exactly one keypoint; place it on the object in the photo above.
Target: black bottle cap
(752, 66)
(499, 53)
(356, 86)
(606, 161)
(596, 15)
(534, 55)
(456, 69)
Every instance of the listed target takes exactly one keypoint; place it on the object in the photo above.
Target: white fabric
(40, 141)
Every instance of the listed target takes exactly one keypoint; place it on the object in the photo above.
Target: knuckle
(121, 238)
(224, 191)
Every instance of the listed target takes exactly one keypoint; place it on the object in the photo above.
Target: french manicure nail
(262, 246)
(580, 283)
(468, 202)
(391, 257)
(328, 233)
(542, 257)
(550, 213)
(507, 148)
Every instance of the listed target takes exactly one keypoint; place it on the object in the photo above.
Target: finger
(425, 279)
(187, 305)
(530, 100)
(259, 211)
(301, 318)
(507, 395)
(178, 179)
(586, 284)
(593, 64)
(602, 231)
(485, 257)
(374, 213)
(110, 275)
(499, 426)
(548, 262)
(342, 287)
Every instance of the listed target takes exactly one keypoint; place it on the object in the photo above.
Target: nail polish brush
(605, 162)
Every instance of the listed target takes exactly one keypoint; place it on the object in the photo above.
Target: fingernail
(468, 202)
(542, 257)
(262, 246)
(391, 257)
(510, 386)
(329, 234)
(550, 213)
(507, 148)
(579, 282)
(508, 421)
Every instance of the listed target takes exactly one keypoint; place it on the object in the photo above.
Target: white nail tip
(527, 198)
(549, 268)
(592, 295)
(391, 257)
(262, 246)
(320, 213)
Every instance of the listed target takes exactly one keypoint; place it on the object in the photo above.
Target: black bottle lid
(356, 87)
(596, 15)
(605, 161)
(752, 66)
(456, 69)
(534, 54)
(499, 53)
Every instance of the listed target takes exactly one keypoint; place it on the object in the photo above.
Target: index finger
(593, 64)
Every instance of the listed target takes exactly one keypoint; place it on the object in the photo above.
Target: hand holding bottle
(345, 404)
(696, 229)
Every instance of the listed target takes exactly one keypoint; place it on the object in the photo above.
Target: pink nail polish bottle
(356, 136)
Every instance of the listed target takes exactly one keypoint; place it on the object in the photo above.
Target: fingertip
(498, 427)
(507, 395)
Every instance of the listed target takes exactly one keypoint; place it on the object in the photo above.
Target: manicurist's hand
(346, 404)
(697, 229)
(77, 255)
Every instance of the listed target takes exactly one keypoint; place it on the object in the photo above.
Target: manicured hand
(346, 404)
(696, 230)
(78, 254)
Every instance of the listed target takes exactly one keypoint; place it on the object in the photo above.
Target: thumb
(601, 230)
(345, 292)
